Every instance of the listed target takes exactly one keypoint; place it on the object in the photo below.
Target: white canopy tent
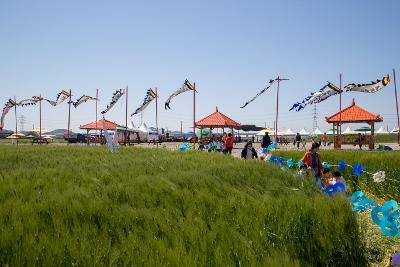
(263, 131)
(288, 132)
(382, 131)
(348, 131)
(303, 132)
(317, 132)
(394, 131)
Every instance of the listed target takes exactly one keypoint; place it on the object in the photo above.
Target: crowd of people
(222, 144)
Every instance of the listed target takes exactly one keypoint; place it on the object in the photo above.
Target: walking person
(229, 144)
(313, 161)
(249, 152)
(266, 141)
(298, 140)
(359, 140)
(324, 139)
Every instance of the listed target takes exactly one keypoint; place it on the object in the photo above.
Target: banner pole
(276, 114)
(16, 121)
(69, 114)
(126, 115)
(97, 99)
(194, 115)
(157, 116)
(340, 114)
(40, 116)
(397, 107)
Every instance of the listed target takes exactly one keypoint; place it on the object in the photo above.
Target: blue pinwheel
(332, 189)
(281, 160)
(361, 202)
(299, 163)
(389, 219)
(326, 165)
(272, 158)
(357, 169)
(290, 163)
(342, 166)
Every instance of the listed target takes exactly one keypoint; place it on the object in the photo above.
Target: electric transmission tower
(315, 118)
(22, 122)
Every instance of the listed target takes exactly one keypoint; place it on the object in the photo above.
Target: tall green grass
(84, 206)
(373, 161)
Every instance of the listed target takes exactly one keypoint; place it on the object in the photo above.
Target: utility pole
(315, 117)
(22, 122)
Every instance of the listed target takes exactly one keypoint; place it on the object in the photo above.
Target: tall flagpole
(97, 99)
(16, 120)
(157, 116)
(69, 114)
(397, 107)
(126, 115)
(277, 108)
(194, 115)
(276, 113)
(40, 116)
(340, 114)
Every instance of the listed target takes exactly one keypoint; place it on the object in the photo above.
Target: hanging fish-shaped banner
(82, 99)
(271, 82)
(322, 94)
(28, 102)
(9, 105)
(369, 87)
(187, 86)
(150, 95)
(116, 96)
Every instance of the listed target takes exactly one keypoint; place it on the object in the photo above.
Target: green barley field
(82, 206)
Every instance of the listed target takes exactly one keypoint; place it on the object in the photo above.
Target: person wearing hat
(313, 161)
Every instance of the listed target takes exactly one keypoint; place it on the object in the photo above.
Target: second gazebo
(217, 120)
(353, 114)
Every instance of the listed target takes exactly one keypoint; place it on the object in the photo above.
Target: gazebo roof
(92, 126)
(353, 113)
(217, 119)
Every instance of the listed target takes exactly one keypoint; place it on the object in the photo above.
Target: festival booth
(111, 126)
(217, 120)
(353, 114)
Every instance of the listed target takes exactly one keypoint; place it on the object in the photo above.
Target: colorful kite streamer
(116, 96)
(322, 94)
(270, 83)
(187, 86)
(369, 87)
(150, 95)
(8, 105)
(82, 99)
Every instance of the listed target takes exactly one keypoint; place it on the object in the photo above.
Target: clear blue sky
(229, 48)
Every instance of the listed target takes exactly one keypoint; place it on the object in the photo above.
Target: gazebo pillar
(372, 138)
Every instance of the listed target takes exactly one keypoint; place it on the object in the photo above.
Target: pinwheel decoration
(325, 165)
(379, 177)
(357, 169)
(299, 163)
(281, 160)
(332, 189)
(290, 163)
(387, 218)
(361, 202)
(342, 166)
(396, 259)
(273, 158)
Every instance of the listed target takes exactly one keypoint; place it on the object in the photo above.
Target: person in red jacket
(313, 161)
(229, 144)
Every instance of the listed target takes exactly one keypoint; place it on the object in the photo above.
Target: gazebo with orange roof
(217, 120)
(353, 114)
